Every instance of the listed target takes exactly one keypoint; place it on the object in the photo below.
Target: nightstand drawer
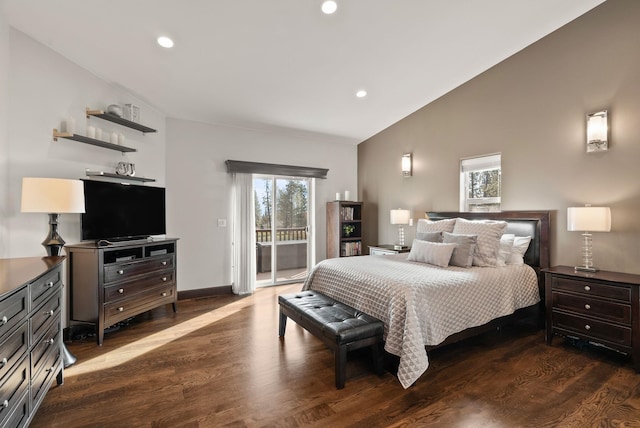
(592, 288)
(591, 328)
(601, 309)
(123, 271)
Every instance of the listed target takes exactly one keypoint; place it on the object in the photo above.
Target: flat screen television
(117, 211)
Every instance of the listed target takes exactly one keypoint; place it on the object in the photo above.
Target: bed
(424, 306)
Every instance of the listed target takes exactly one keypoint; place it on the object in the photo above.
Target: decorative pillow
(445, 225)
(465, 246)
(489, 233)
(520, 245)
(504, 251)
(429, 236)
(434, 253)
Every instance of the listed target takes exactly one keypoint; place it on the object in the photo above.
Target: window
(480, 183)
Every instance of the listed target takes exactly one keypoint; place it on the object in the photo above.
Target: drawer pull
(120, 309)
(50, 284)
(50, 369)
(587, 327)
(164, 294)
(120, 272)
(164, 278)
(4, 320)
(49, 341)
(3, 362)
(50, 313)
(587, 306)
(587, 288)
(164, 263)
(121, 290)
(5, 403)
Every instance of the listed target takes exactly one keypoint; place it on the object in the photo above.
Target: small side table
(387, 249)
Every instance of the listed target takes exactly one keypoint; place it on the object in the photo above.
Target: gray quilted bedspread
(421, 304)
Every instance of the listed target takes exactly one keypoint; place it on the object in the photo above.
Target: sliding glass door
(283, 232)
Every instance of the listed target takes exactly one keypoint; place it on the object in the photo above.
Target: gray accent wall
(531, 108)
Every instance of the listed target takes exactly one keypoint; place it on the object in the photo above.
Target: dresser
(601, 307)
(112, 283)
(30, 335)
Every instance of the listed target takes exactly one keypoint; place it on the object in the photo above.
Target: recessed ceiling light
(329, 6)
(361, 93)
(165, 42)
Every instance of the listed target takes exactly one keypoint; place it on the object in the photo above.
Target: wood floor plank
(219, 362)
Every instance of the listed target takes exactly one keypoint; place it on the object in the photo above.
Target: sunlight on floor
(154, 341)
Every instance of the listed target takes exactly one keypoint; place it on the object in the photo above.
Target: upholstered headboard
(521, 223)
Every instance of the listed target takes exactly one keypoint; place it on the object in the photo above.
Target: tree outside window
(480, 183)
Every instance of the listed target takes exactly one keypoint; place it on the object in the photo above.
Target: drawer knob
(120, 309)
(587, 288)
(587, 306)
(50, 313)
(4, 320)
(164, 263)
(164, 278)
(121, 290)
(164, 294)
(3, 362)
(49, 342)
(50, 284)
(50, 369)
(5, 403)
(120, 272)
(587, 327)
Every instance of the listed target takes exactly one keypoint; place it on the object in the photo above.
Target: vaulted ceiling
(283, 63)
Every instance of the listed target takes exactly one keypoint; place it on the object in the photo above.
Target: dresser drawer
(129, 289)
(42, 380)
(122, 271)
(12, 389)
(144, 301)
(44, 286)
(13, 348)
(601, 309)
(20, 413)
(601, 331)
(47, 344)
(13, 309)
(43, 315)
(589, 288)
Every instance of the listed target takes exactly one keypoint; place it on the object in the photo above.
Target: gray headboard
(521, 223)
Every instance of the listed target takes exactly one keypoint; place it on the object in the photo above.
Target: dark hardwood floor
(219, 362)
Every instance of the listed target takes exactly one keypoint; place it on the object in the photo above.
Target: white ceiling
(284, 64)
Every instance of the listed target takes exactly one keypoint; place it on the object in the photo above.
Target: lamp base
(585, 269)
(53, 243)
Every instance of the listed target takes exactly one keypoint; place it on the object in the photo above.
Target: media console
(108, 284)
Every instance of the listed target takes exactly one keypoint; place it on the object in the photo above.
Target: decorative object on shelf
(121, 139)
(348, 229)
(119, 120)
(126, 168)
(400, 217)
(338, 196)
(588, 219)
(114, 138)
(407, 165)
(91, 140)
(347, 196)
(53, 196)
(98, 134)
(115, 110)
(91, 132)
(132, 113)
(70, 126)
(597, 131)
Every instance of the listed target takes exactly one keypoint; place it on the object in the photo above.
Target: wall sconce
(588, 219)
(407, 165)
(597, 131)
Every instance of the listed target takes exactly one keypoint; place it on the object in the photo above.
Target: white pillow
(489, 233)
(433, 253)
(520, 245)
(445, 225)
(504, 251)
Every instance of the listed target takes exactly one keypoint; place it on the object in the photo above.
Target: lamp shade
(52, 195)
(400, 216)
(589, 219)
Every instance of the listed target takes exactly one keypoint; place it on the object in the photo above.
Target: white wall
(199, 188)
(4, 143)
(45, 89)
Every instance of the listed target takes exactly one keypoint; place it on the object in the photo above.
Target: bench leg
(376, 352)
(340, 355)
(283, 324)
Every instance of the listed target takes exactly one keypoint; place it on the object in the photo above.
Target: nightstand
(385, 250)
(601, 307)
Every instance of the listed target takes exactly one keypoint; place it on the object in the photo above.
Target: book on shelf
(351, 248)
(346, 213)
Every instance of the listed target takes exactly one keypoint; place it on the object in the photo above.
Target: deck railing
(282, 234)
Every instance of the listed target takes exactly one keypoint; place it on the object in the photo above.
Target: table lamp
(400, 217)
(588, 219)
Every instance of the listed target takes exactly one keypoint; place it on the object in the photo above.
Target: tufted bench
(341, 327)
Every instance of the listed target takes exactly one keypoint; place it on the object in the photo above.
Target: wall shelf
(92, 141)
(119, 120)
(89, 173)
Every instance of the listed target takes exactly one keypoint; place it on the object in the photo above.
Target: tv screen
(117, 211)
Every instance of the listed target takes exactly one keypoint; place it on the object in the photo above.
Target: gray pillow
(429, 236)
(465, 247)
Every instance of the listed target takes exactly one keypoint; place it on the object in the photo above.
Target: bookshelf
(344, 229)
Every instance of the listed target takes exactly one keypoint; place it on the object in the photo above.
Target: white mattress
(421, 304)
